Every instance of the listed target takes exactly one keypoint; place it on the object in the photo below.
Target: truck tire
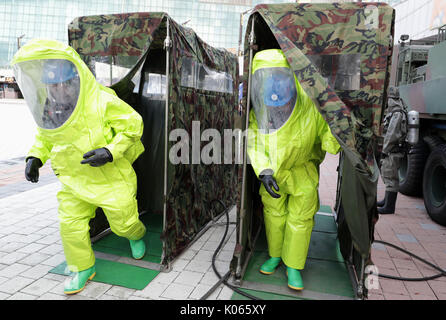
(434, 185)
(412, 168)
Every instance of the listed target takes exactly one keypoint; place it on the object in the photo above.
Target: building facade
(419, 18)
(215, 21)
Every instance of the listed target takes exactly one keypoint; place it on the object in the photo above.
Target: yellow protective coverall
(100, 119)
(294, 153)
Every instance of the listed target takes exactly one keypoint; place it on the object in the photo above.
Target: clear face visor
(51, 89)
(273, 95)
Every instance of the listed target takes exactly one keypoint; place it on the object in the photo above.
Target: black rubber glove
(269, 182)
(97, 157)
(32, 169)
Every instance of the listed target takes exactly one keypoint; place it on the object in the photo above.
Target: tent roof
(365, 30)
(131, 34)
(113, 34)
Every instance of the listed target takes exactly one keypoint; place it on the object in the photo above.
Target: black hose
(215, 286)
(225, 277)
(441, 274)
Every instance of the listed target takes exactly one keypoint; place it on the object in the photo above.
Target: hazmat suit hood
(51, 88)
(81, 116)
(55, 82)
(78, 113)
(279, 104)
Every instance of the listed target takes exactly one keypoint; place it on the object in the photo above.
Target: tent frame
(245, 145)
(239, 268)
(167, 47)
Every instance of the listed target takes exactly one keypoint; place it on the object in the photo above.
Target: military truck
(420, 73)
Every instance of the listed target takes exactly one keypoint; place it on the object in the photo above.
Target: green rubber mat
(326, 209)
(116, 273)
(323, 243)
(122, 274)
(112, 244)
(323, 223)
(325, 275)
(324, 246)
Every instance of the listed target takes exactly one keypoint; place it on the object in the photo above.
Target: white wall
(419, 18)
(17, 129)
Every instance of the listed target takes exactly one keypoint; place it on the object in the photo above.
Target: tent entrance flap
(249, 224)
(149, 167)
(146, 93)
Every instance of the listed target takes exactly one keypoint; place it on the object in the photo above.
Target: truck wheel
(412, 168)
(434, 185)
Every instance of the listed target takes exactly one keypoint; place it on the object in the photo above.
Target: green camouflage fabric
(307, 34)
(192, 188)
(113, 36)
(306, 30)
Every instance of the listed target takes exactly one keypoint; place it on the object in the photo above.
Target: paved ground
(409, 228)
(30, 246)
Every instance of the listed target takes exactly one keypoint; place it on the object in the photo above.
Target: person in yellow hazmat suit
(92, 138)
(287, 141)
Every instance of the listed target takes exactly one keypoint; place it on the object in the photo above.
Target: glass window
(198, 76)
(342, 71)
(105, 73)
(155, 86)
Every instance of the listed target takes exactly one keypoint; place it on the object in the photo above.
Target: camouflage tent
(175, 81)
(340, 53)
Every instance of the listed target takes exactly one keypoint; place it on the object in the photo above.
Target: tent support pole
(245, 157)
(361, 280)
(167, 46)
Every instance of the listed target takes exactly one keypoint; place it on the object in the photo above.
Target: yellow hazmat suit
(292, 152)
(99, 119)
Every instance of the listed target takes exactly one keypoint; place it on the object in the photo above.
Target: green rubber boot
(294, 279)
(138, 248)
(79, 280)
(270, 265)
